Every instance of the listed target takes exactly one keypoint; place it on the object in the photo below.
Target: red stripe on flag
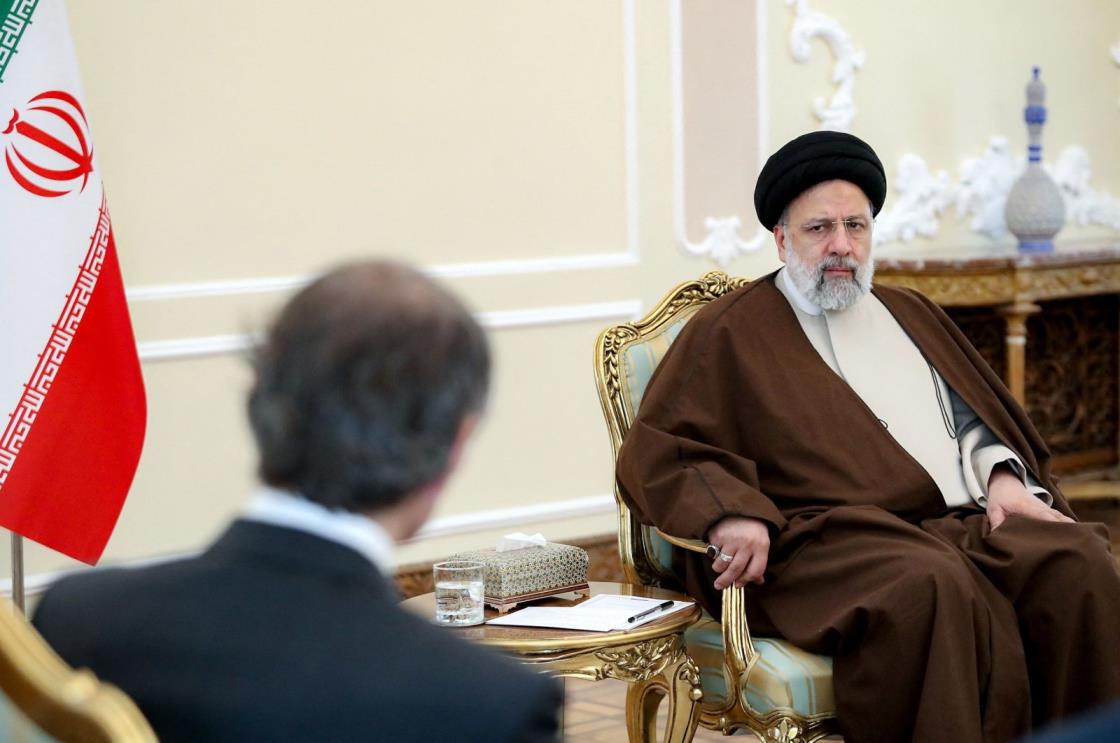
(69, 480)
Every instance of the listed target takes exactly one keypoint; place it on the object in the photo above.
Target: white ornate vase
(1035, 211)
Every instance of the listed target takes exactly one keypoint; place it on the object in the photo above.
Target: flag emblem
(48, 150)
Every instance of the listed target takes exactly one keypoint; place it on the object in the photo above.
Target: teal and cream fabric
(639, 360)
(782, 677)
(636, 365)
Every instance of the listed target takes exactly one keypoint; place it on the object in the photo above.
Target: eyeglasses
(821, 230)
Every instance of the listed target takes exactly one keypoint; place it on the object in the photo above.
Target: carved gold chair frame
(65, 704)
(638, 544)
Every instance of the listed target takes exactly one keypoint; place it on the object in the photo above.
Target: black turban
(815, 158)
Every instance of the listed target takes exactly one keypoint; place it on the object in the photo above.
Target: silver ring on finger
(726, 557)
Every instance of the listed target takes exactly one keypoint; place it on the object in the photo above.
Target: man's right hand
(747, 542)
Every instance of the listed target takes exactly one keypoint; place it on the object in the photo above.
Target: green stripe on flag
(16, 17)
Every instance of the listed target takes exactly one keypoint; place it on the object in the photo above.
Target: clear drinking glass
(460, 592)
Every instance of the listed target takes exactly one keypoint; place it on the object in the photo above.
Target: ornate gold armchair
(766, 685)
(43, 699)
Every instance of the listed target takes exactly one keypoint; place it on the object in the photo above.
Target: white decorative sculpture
(837, 114)
(1035, 211)
(919, 198)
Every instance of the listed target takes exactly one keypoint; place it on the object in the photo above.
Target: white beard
(826, 293)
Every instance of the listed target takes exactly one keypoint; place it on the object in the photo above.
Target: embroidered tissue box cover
(530, 573)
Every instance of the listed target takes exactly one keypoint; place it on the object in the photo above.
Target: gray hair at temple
(362, 385)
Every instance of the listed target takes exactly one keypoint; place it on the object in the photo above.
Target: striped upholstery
(636, 365)
(782, 677)
(639, 360)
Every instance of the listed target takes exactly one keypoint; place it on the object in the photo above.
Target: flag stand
(17, 572)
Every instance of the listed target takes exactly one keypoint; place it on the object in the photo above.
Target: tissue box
(517, 576)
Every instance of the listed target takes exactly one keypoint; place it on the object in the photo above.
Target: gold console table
(1050, 324)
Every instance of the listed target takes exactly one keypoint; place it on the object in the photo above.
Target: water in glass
(459, 602)
(460, 592)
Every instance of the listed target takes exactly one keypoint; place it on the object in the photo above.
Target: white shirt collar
(360, 533)
(794, 294)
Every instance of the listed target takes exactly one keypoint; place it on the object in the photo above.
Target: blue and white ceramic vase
(1035, 211)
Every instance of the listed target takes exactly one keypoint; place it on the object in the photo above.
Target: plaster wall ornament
(985, 182)
(1084, 205)
(722, 242)
(919, 199)
(838, 111)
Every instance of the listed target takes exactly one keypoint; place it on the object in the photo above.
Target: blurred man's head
(367, 385)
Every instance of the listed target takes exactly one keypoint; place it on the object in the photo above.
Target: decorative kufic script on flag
(70, 379)
(15, 20)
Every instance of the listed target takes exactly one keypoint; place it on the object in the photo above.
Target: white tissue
(518, 540)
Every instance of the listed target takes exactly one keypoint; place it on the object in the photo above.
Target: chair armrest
(739, 652)
(692, 545)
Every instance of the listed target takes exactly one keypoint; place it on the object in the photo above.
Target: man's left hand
(1008, 496)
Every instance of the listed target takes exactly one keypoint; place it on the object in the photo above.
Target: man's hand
(747, 542)
(1007, 496)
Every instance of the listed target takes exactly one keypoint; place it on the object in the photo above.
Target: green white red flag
(70, 382)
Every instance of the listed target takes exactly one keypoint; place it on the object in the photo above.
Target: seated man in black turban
(859, 465)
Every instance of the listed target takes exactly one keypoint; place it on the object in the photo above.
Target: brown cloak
(867, 563)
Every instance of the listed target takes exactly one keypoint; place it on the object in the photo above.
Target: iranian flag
(71, 394)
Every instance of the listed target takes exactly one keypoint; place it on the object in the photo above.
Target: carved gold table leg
(663, 671)
(1015, 316)
(655, 669)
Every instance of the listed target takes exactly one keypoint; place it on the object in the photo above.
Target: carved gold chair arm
(692, 545)
(738, 650)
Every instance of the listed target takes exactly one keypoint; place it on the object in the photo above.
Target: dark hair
(362, 384)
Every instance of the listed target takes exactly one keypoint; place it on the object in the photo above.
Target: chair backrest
(44, 699)
(625, 358)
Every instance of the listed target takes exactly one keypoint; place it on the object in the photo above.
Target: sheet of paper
(601, 613)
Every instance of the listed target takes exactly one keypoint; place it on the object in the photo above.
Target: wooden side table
(651, 658)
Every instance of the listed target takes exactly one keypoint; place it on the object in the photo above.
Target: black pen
(651, 610)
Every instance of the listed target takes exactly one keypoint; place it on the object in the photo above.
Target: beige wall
(523, 150)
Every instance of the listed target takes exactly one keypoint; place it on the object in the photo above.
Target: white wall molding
(476, 269)
(444, 526)
(839, 111)
(520, 516)
(1115, 53)
(180, 349)
(199, 347)
(981, 191)
(629, 309)
(722, 242)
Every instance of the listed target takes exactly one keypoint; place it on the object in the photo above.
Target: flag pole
(17, 572)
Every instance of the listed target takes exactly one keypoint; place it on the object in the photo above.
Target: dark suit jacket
(277, 635)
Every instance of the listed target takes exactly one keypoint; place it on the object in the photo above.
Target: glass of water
(460, 591)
